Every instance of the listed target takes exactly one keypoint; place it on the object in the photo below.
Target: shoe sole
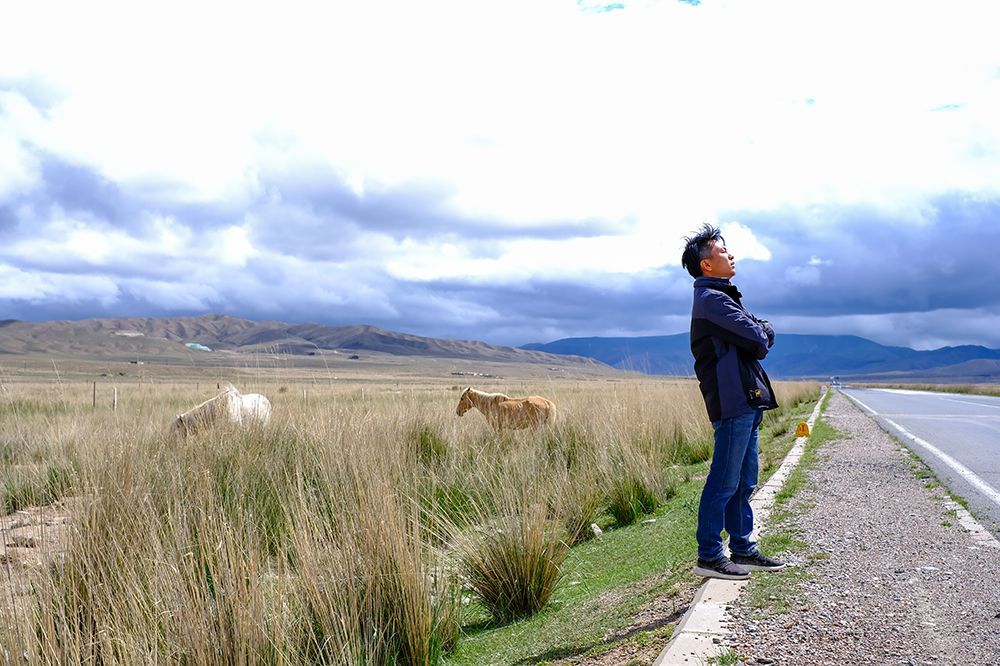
(755, 567)
(712, 573)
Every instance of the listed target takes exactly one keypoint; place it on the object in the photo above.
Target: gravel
(886, 582)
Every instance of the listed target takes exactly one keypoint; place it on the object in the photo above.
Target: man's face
(719, 262)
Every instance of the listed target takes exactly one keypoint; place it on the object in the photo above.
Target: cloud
(880, 264)
(919, 330)
(740, 240)
(420, 172)
(33, 287)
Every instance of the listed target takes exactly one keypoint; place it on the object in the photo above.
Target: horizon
(406, 165)
(484, 340)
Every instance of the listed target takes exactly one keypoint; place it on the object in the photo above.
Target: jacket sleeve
(768, 330)
(736, 326)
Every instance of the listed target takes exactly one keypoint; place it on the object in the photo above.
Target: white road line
(966, 473)
(969, 402)
(861, 404)
(962, 470)
(964, 417)
(964, 402)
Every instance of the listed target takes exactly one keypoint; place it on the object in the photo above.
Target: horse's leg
(491, 419)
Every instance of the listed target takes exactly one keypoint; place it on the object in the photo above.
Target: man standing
(727, 342)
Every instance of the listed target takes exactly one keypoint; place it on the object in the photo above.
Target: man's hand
(766, 325)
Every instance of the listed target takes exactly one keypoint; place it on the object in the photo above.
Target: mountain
(795, 355)
(166, 338)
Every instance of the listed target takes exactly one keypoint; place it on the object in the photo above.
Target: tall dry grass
(344, 532)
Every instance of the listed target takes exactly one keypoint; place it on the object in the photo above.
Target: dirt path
(29, 539)
(890, 575)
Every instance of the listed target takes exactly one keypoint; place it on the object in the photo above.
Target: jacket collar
(719, 284)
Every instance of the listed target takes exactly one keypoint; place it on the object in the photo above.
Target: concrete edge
(702, 630)
(977, 531)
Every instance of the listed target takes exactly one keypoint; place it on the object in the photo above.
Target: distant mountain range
(175, 339)
(171, 338)
(821, 356)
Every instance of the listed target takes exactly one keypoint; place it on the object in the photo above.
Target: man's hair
(699, 247)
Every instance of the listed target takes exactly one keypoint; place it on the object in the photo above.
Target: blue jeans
(725, 500)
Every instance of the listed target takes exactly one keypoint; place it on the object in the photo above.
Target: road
(957, 435)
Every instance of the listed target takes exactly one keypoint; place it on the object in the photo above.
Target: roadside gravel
(887, 581)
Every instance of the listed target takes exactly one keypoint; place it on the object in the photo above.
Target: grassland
(365, 524)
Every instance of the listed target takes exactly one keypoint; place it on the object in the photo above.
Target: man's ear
(706, 266)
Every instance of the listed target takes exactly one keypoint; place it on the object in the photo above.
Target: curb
(703, 629)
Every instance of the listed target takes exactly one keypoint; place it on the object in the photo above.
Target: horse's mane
(483, 394)
(212, 402)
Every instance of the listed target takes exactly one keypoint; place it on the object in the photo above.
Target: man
(727, 342)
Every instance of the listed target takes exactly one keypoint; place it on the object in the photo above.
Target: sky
(508, 171)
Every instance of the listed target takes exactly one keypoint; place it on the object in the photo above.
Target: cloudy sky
(505, 171)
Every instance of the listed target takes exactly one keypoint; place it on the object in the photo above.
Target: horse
(503, 412)
(248, 410)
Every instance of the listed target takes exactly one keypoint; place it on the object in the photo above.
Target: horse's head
(464, 402)
(177, 427)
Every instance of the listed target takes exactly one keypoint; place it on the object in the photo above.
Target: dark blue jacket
(728, 343)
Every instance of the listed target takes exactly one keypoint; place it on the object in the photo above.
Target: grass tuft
(630, 497)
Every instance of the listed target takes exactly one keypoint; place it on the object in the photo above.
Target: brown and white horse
(503, 412)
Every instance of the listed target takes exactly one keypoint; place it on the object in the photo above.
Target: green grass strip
(609, 580)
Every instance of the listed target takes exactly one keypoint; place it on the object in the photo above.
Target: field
(366, 523)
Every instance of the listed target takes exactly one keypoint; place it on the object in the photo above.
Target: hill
(177, 338)
(793, 355)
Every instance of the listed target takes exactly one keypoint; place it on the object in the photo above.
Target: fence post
(95, 395)
(114, 401)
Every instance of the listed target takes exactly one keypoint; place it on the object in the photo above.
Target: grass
(34, 485)
(609, 580)
(778, 592)
(349, 528)
(727, 658)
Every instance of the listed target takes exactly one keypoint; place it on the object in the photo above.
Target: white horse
(248, 410)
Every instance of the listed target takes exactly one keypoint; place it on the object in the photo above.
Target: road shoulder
(885, 572)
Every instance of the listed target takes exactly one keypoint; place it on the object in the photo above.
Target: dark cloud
(321, 245)
(8, 218)
(532, 310)
(850, 261)
(414, 210)
(78, 189)
(84, 193)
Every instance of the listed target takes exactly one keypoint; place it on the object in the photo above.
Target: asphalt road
(957, 435)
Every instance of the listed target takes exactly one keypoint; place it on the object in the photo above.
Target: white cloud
(530, 110)
(18, 167)
(34, 286)
(600, 259)
(742, 243)
(236, 247)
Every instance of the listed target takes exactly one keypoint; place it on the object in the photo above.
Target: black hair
(699, 247)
